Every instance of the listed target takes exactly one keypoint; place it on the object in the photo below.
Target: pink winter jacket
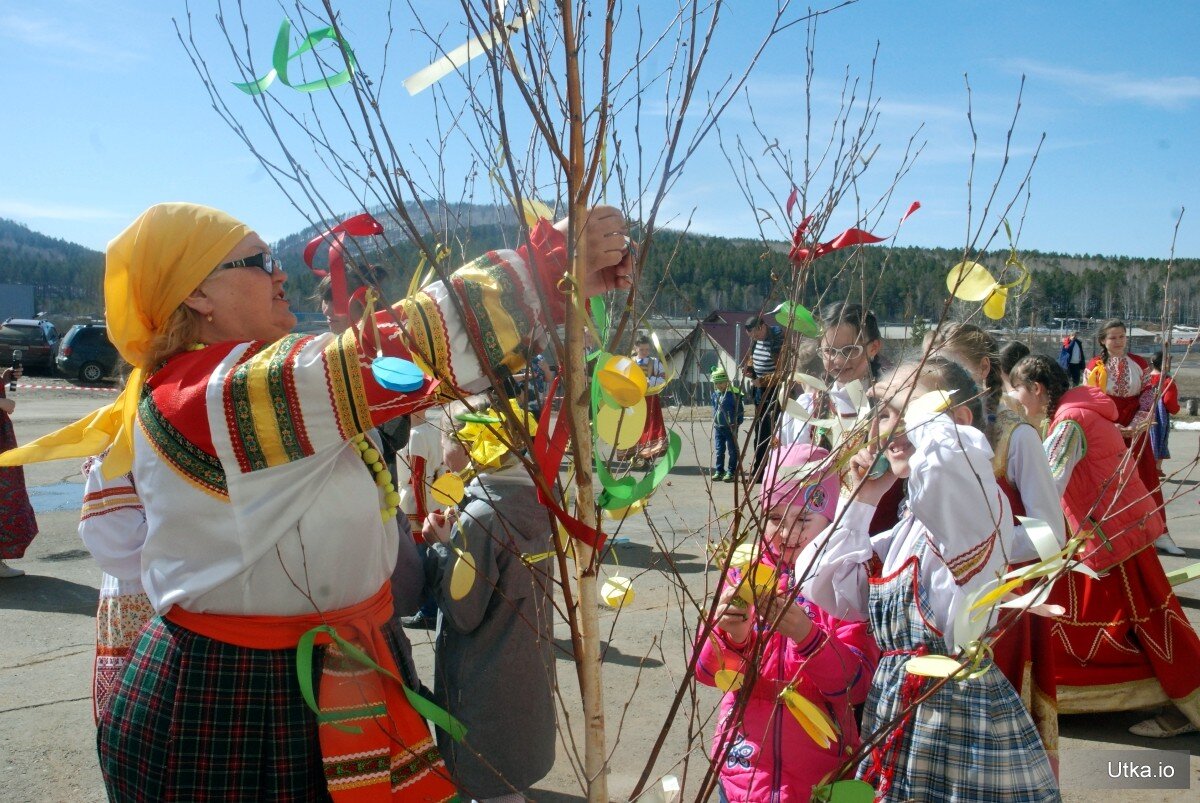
(832, 669)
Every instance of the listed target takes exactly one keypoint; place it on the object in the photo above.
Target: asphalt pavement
(47, 629)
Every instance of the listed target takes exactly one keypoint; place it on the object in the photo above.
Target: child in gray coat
(494, 661)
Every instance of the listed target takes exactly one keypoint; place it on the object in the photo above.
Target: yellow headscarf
(150, 268)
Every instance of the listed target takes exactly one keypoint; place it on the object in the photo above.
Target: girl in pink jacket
(765, 751)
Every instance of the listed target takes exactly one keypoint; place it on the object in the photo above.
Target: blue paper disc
(396, 374)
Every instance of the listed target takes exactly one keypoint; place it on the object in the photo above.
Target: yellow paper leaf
(970, 281)
(533, 210)
(447, 490)
(932, 666)
(935, 401)
(994, 306)
(743, 556)
(617, 591)
(462, 576)
(812, 719)
(728, 679)
(621, 426)
(757, 582)
(986, 601)
(622, 513)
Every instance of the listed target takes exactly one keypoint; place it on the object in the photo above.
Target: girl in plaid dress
(972, 739)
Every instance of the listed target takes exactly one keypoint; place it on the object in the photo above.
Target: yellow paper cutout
(462, 576)
(728, 680)
(932, 666)
(617, 591)
(621, 426)
(447, 490)
(812, 719)
(428, 76)
(623, 380)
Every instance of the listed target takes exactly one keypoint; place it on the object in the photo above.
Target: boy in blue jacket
(728, 414)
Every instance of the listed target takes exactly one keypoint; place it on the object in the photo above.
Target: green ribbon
(304, 655)
(282, 56)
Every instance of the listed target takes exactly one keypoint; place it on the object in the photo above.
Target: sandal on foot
(1160, 727)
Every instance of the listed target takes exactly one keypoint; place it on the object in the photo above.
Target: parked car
(35, 339)
(86, 353)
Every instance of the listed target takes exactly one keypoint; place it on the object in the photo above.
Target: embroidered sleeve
(112, 523)
(285, 400)
(1064, 449)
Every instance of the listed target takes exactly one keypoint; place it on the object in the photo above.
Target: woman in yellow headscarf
(263, 502)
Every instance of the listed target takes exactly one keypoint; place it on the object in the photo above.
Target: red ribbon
(844, 240)
(358, 226)
(549, 446)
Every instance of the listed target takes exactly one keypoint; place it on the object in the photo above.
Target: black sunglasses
(263, 261)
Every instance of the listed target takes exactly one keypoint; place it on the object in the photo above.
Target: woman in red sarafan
(1126, 379)
(1123, 642)
(17, 523)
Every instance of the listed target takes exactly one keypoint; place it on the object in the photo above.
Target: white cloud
(36, 211)
(1170, 92)
(50, 39)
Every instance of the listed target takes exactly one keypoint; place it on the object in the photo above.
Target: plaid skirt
(972, 740)
(199, 719)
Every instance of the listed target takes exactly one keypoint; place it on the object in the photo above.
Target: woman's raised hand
(606, 245)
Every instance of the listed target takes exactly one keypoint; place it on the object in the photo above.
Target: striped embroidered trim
(1062, 444)
(196, 466)
(425, 328)
(496, 318)
(266, 410)
(236, 420)
(969, 563)
(343, 378)
(418, 761)
(107, 501)
(358, 769)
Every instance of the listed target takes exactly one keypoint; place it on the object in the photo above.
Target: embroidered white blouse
(255, 500)
(954, 506)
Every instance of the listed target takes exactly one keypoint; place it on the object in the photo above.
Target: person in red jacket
(1124, 642)
(1125, 378)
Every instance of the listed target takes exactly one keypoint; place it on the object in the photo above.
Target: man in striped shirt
(759, 366)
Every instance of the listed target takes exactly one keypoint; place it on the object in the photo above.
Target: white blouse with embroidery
(285, 520)
(956, 513)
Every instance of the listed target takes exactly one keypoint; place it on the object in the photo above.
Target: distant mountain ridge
(705, 272)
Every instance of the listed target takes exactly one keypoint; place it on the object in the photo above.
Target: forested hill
(68, 276)
(686, 274)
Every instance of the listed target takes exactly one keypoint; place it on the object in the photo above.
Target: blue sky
(107, 115)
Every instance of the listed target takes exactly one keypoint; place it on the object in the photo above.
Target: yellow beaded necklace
(383, 478)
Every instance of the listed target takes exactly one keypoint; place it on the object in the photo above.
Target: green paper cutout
(304, 664)
(849, 791)
(798, 318)
(282, 56)
(600, 318)
(477, 418)
(622, 493)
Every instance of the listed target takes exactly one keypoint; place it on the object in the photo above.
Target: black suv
(86, 353)
(35, 339)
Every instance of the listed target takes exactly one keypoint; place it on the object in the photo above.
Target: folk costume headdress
(150, 268)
